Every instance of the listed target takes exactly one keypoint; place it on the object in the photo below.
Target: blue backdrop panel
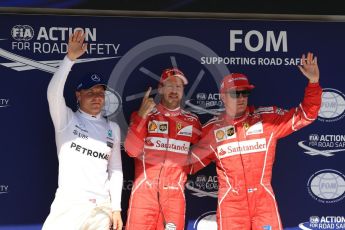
(308, 175)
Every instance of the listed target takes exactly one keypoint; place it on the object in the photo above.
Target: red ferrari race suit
(244, 151)
(160, 144)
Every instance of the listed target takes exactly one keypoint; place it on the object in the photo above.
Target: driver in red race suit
(242, 143)
(159, 138)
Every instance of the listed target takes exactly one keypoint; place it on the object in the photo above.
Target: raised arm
(137, 130)
(309, 67)
(307, 111)
(59, 112)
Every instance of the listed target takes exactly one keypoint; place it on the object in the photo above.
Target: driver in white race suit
(88, 147)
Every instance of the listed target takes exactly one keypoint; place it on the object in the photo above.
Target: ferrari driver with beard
(159, 138)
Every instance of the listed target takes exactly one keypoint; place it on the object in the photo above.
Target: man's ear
(77, 95)
(160, 89)
(222, 97)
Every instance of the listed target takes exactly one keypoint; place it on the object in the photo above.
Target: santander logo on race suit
(148, 142)
(164, 144)
(242, 147)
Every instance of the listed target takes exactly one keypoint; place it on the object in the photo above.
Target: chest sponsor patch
(186, 131)
(242, 147)
(225, 133)
(178, 126)
(81, 127)
(110, 136)
(257, 128)
(158, 127)
(89, 152)
(164, 144)
(152, 127)
(264, 110)
(110, 144)
(110, 133)
(281, 111)
(80, 134)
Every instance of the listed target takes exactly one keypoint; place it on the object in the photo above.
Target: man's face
(235, 101)
(91, 100)
(171, 92)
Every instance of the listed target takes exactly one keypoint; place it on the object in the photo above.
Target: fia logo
(314, 219)
(22, 32)
(201, 96)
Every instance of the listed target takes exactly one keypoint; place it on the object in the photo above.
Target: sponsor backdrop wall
(308, 176)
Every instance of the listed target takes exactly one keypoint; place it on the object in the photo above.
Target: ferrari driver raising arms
(159, 138)
(242, 143)
(88, 146)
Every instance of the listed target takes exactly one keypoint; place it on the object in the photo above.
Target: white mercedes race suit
(90, 169)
